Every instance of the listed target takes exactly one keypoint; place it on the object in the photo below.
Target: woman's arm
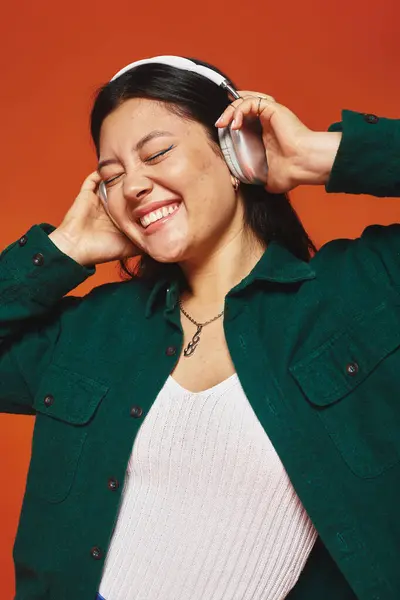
(35, 273)
(360, 155)
(34, 277)
(368, 158)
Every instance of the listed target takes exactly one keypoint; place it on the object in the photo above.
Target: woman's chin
(170, 253)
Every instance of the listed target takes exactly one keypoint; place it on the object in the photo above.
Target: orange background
(315, 56)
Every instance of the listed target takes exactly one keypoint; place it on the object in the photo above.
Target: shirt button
(352, 368)
(372, 119)
(113, 484)
(22, 241)
(48, 401)
(136, 412)
(96, 553)
(38, 259)
(170, 351)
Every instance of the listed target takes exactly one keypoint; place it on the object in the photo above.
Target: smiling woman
(225, 423)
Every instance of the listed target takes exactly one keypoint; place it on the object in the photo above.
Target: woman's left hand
(296, 155)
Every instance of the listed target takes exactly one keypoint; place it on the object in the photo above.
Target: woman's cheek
(178, 170)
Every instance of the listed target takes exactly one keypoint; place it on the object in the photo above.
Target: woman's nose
(137, 187)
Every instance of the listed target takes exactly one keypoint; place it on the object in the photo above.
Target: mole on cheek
(205, 168)
(206, 163)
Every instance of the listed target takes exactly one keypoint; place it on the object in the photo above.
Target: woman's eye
(159, 154)
(111, 179)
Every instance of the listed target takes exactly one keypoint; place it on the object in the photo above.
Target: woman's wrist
(67, 245)
(316, 157)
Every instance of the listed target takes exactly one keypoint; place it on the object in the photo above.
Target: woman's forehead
(138, 117)
(138, 110)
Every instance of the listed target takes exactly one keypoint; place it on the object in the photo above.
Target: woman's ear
(235, 183)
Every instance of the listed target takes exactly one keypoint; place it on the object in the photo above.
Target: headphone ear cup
(228, 150)
(103, 193)
(244, 152)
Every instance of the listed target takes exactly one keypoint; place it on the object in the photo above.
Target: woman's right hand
(87, 233)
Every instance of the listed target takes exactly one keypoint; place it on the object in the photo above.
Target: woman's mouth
(158, 215)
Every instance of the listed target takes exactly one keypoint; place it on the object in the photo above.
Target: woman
(223, 424)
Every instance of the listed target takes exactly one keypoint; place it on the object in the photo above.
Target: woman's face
(168, 189)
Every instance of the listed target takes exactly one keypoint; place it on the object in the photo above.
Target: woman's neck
(212, 277)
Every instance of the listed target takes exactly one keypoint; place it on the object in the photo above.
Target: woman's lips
(161, 216)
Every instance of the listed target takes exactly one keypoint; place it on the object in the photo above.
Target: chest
(186, 432)
(322, 377)
(208, 361)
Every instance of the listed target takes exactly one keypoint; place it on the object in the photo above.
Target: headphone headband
(185, 65)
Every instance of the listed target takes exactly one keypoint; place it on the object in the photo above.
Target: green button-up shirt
(317, 350)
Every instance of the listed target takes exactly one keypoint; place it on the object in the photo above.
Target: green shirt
(317, 350)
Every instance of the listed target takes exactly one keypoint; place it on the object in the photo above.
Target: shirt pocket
(352, 382)
(65, 405)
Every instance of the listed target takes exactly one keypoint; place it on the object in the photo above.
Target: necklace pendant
(192, 345)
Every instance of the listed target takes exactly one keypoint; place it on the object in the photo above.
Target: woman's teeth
(156, 215)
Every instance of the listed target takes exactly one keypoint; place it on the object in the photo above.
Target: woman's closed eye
(159, 154)
(150, 160)
(111, 179)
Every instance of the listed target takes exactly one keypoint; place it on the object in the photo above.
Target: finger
(257, 107)
(250, 107)
(261, 108)
(228, 114)
(91, 182)
(244, 93)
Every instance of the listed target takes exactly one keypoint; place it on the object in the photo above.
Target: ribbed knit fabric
(208, 511)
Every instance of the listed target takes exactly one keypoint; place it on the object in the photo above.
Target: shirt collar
(277, 265)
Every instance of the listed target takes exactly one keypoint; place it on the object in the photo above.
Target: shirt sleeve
(34, 277)
(368, 158)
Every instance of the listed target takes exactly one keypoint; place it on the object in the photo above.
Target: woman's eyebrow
(142, 142)
(108, 161)
(151, 136)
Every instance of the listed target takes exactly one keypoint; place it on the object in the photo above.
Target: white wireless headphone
(243, 148)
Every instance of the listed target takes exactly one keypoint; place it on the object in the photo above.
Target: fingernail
(218, 120)
(234, 123)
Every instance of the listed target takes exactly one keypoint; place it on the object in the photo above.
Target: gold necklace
(192, 345)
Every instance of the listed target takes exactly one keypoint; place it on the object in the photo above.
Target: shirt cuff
(43, 270)
(368, 158)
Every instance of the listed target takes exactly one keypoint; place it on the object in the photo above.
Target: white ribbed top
(208, 511)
